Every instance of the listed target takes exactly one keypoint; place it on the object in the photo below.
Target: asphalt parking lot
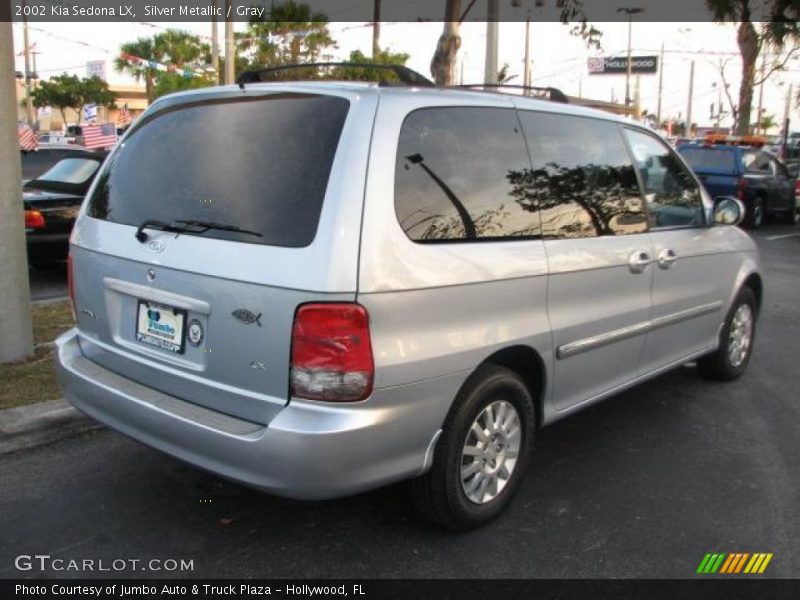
(642, 485)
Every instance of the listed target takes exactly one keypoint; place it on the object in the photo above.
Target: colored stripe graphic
(734, 563)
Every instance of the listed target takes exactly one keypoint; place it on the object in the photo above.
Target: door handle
(666, 258)
(639, 260)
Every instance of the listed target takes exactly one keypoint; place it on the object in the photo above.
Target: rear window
(260, 163)
(709, 159)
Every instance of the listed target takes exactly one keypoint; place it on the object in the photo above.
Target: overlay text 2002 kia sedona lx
(352, 284)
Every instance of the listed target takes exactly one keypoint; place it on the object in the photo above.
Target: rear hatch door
(202, 311)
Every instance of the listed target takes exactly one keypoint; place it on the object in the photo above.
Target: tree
(753, 38)
(168, 83)
(444, 58)
(69, 91)
(135, 59)
(384, 57)
(290, 33)
(177, 50)
(766, 122)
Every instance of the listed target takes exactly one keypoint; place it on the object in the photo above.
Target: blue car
(756, 177)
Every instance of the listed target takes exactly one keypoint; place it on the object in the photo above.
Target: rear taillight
(331, 353)
(34, 219)
(741, 187)
(71, 285)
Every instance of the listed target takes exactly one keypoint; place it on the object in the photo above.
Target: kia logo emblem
(156, 245)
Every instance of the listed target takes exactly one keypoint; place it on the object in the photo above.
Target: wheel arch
(526, 362)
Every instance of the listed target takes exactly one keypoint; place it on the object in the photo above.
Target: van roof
(435, 93)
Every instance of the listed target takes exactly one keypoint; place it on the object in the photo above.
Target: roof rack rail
(404, 75)
(543, 93)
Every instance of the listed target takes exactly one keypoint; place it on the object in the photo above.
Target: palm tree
(781, 28)
(291, 33)
(178, 49)
(133, 59)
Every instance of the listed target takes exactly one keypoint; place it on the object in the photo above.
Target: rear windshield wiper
(187, 227)
(203, 226)
(154, 224)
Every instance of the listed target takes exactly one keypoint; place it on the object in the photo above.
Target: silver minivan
(347, 285)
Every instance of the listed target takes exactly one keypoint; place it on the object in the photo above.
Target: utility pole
(376, 30)
(215, 45)
(526, 73)
(689, 102)
(630, 11)
(760, 95)
(660, 86)
(492, 29)
(16, 332)
(28, 97)
(230, 46)
(637, 98)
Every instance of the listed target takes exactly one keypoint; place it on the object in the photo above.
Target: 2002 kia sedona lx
(352, 284)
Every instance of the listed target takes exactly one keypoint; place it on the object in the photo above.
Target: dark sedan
(51, 203)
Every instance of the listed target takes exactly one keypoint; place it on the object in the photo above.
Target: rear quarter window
(260, 163)
(710, 159)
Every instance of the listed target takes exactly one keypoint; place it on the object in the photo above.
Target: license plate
(161, 326)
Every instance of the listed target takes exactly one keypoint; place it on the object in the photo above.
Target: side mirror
(728, 210)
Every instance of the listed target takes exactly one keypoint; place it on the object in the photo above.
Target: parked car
(36, 162)
(51, 203)
(360, 284)
(759, 179)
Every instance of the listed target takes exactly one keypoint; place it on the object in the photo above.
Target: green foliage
(173, 47)
(290, 33)
(70, 91)
(167, 83)
(384, 57)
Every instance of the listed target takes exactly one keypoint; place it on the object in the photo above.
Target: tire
(441, 495)
(792, 217)
(755, 214)
(720, 365)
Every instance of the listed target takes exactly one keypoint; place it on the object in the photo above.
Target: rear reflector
(34, 219)
(331, 353)
(741, 187)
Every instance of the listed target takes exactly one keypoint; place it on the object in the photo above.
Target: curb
(27, 427)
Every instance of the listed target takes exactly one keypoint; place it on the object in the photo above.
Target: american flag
(124, 116)
(99, 136)
(28, 140)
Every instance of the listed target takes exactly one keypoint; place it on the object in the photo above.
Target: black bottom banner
(389, 589)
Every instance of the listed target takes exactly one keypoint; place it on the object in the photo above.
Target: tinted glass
(673, 196)
(71, 170)
(455, 177)
(37, 162)
(757, 162)
(261, 163)
(709, 159)
(583, 182)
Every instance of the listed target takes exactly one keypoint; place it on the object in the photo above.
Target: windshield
(71, 170)
(260, 163)
(709, 159)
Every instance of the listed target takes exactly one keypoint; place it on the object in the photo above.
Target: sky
(559, 59)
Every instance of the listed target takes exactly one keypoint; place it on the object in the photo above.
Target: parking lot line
(780, 237)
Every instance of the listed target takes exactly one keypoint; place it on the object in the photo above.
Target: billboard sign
(96, 68)
(618, 65)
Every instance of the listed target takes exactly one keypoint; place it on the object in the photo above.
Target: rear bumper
(308, 451)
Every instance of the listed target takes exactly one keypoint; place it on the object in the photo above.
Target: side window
(582, 181)
(455, 176)
(780, 170)
(759, 164)
(673, 196)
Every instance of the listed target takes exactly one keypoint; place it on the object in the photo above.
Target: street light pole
(690, 100)
(28, 97)
(526, 73)
(16, 333)
(492, 28)
(660, 86)
(630, 11)
(230, 46)
(215, 46)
